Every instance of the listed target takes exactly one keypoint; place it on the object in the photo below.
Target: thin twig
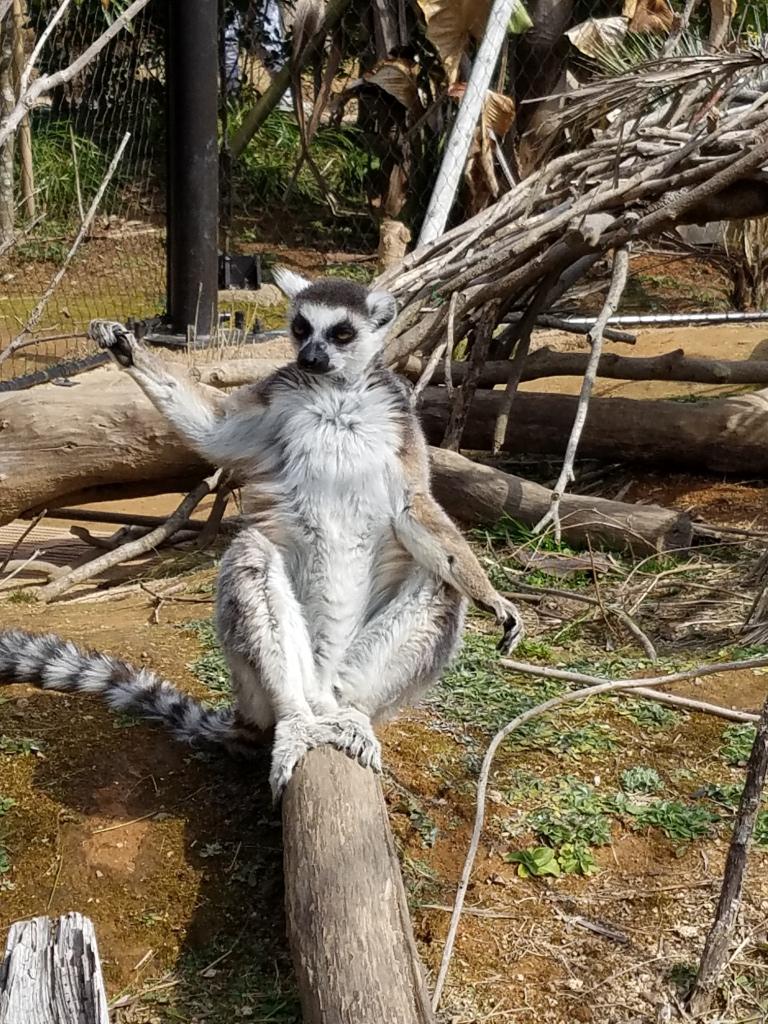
(602, 686)
(39, 309)
(20, 540)
(715, 955)
(451, 336)
(618, 283)
(426, 375)
(133, 548)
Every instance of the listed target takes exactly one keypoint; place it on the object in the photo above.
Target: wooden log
(725, 435)
(348, 924)
(479, 494)
(546, 362)
(51, 973)
(103, 439)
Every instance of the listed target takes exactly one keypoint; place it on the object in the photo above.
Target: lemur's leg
(403, 649)
(193, 412)
(267, 645)
(431, 538)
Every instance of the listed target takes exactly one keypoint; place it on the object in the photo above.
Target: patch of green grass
(210, 668)
(6, 803)
(581, 824)
(19, 745)
(478, 690)
(593, 738)
(641, 780)
(678, 821)
(648, 713)
(737, 743)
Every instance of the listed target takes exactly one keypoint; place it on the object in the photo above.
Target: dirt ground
(176, 855)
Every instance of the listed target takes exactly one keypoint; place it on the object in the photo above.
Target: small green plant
(727, 794)
(737, 744)
(22, 745)
(678, 821)
(576, 859)
(589, 739)
(641, 780)
(648, 713)
(6, 803)
(210, 668)
(559, 827)
(534, 863)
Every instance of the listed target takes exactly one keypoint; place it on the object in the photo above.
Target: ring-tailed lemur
(345, 594)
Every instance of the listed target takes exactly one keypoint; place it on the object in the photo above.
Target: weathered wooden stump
(51, 973)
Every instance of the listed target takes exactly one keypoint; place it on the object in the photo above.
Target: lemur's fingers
(115, 338)
(511, 621)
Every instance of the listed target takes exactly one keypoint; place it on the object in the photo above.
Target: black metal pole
(193, 165)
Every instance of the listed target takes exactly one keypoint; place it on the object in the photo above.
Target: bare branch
(45, 83)
(34, 317)
(618, 283)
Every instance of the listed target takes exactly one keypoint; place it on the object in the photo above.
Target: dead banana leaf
(597, 36)
(398, 78)
(498, 109)
(721, 13)
(450, 26)
(649, 15)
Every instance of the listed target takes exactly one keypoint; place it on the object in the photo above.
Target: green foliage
(6, 803)
(56, 173)
(265, 170)
(727, 794)
(576, 859)
(641, 780)
(589, 739)
(648, 713)
(737, 743)
(478, 690)
(578, 825)
(678, 821)
(534, 863)
(760, 834)
(570, 859)
(210, 668)
(20, 745)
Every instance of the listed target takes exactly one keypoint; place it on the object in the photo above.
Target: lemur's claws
(115, 338)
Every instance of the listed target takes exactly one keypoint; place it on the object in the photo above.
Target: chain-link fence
(340, 185)
(61, 155)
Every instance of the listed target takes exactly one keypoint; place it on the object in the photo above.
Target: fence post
(193, 167)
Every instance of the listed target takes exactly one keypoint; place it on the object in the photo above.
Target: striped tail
(47, 661)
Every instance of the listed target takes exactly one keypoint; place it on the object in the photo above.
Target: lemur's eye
(300, 327)
(343, 334)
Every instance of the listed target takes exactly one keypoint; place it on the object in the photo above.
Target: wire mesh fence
(338, 182)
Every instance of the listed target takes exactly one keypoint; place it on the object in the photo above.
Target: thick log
(675, 365)
(725, 435)
(51, 973)
(479, 494)
(348, 924)
(103, 439)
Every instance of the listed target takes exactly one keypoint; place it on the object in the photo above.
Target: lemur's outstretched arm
(432, 539)
(201, 416)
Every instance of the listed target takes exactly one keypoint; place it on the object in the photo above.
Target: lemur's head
(337, 326)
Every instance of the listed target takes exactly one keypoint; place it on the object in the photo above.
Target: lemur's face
(337, 326)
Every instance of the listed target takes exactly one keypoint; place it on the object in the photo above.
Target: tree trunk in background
(7, 103)
(539, 63)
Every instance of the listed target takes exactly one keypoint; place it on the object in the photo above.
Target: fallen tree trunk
(725, 435)
(484, 495)
(103, 438)
(546, 362)
(347, 917)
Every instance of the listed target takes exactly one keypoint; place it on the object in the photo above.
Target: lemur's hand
(511, 621)
(115, 338)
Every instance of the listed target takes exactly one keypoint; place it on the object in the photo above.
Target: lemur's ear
(289, 282)
(382, 308)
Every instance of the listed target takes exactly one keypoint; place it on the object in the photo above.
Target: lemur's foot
(295, 737)
(115, 338)
(353, 733)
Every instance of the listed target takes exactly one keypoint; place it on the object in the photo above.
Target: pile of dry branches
(687, 143)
